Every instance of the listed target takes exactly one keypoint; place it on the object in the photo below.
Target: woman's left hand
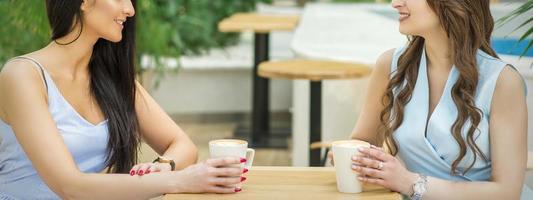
(377, 167)
(146, 168)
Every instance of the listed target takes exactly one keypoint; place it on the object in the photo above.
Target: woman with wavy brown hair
(447, 107)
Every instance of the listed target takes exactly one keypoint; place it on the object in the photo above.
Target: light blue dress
(434, 153)
(86, 142)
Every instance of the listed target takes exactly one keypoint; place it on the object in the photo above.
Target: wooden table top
(259, 23)
(314, 70)
(292, 183)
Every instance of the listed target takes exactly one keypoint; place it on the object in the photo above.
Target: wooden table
(314, 70)
(292, 183)
(261, 25)
(258, 23)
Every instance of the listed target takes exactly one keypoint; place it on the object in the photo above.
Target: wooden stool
(315, 71)
(261, 25)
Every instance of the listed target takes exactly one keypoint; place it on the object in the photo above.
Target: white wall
(215, 91)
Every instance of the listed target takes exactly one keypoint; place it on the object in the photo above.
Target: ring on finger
(380, 165)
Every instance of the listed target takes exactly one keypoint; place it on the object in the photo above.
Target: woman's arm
(366, 127)
(161, 132)
(508, 129)
(24, 100)
(508, 147)
(368, 122)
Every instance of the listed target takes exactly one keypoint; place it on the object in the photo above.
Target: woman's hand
(377, 167)
(146, 168)
(330, 157)
(218, 175)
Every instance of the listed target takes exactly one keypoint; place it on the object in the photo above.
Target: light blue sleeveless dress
(86, 142)
(434, 153)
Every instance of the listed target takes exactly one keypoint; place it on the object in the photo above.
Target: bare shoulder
(386, 57)
(510, 83)
(384, 62)
(19, 76)
(509, 97)
(16, 72)
(18, 66)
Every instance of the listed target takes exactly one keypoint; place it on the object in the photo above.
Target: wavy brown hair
(468, 26)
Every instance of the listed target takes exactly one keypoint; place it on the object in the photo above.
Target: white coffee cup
(232, 148)
(343, 151)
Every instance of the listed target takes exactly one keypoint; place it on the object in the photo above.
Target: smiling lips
(404, 15)
(120, 22)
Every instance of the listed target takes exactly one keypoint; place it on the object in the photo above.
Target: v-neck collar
(424, 79)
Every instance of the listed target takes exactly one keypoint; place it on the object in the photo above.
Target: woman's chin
(406, 31)
(114, 38)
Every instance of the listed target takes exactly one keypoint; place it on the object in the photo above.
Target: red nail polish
(132, 172)
(243, 178)
(243, 160)
(147, 171)
(141, 172)
(244, 170)
(238, 189)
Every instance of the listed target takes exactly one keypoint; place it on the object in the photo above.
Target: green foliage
(24, 27)
(165, 28)
(357, 1)
(527, 6)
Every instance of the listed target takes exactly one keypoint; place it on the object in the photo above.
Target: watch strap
(419, 187)
(171, 162)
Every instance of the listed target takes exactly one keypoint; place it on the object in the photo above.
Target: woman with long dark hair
(447, 107)
(73, 109)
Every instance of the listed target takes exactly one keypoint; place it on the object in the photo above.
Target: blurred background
(203, 78)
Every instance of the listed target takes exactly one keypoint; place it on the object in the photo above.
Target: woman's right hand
(217, 175)
(330, 157)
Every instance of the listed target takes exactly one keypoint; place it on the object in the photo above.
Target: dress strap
(36, 63)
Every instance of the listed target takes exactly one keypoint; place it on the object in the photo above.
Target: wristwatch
(161, 159)
(419, 187)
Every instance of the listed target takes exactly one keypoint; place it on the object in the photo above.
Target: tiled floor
(202, 133)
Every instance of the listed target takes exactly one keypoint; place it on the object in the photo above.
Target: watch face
(419, 188)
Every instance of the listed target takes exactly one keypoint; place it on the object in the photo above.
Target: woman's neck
(438, 51)
(74, 57)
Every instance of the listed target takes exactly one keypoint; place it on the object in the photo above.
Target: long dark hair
(112, 84)
(468, 25)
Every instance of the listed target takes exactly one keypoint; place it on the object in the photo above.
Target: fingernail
(243, 160)
(147, 171)
(355, 158)
(355, 167)
(244, 170)
(132, 172)
(243, 178)
(238, 189)
(141, 172)
(361, 149)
